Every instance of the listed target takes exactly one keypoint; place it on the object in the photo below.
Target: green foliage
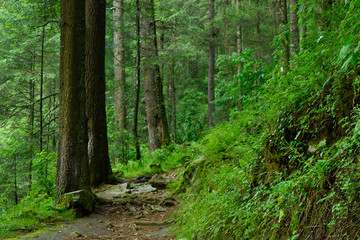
(287, 166)
(240, 77)
(32, 213)
(192, 122)
(44, 173)
(169, 158)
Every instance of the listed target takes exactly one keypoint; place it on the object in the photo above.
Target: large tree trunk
(138, 81)
(95, 92)
(119, 70)
(294, 28)
(284, 41)
(72, 164)
(155, 108)
(211, 72)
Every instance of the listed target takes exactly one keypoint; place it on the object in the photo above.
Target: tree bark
(119, 70)
(137, 81)
(211, 72)
(99, 161)
(155, 108)
(294, 28)
(72, 163)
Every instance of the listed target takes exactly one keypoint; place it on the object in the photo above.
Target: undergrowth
(36, 209)
(161, 160)
(32, 213)
(287, 167)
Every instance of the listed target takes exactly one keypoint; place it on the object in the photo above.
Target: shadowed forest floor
(130, 216)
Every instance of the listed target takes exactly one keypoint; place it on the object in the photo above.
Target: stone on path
(115, 191)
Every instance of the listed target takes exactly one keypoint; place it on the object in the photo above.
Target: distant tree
(98, 152)
(158, 131)
(137, 81)
(211, 72)
(294, 27)
(171, 91)
(239, 31)
(283, 21)
(119, 70)
(72, 162)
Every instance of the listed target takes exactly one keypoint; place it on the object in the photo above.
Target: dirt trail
(124, 215)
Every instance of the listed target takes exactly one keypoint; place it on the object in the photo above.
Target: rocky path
(133, 210)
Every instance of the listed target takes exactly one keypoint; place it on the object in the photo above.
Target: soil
(130, 216)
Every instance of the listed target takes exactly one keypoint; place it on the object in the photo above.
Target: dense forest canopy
(266, 90)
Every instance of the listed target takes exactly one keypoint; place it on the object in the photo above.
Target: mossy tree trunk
(158, 130)
(99, 161)
(72, 163)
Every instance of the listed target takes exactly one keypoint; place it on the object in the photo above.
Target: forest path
(128, 215)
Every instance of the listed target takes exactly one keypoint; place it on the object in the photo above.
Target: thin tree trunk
(32, 115)
(239, 32)
(227, 37)
(171, 91)
(137, 83)
(211, 72)
(284, 41)
(54, 116)
(41, 89)
(294, 28)
(173, 97)
(72, 164)
(302, 35)
(99, 161)
(155, 108)
(119, 72)
(15, 182)
(239, 48)
(258, 30)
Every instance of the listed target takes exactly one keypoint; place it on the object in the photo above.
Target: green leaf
(344, 52)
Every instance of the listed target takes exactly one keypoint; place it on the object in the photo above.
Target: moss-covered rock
(191, 171)
(82, 201)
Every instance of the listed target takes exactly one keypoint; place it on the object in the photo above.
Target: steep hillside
(287, 167)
